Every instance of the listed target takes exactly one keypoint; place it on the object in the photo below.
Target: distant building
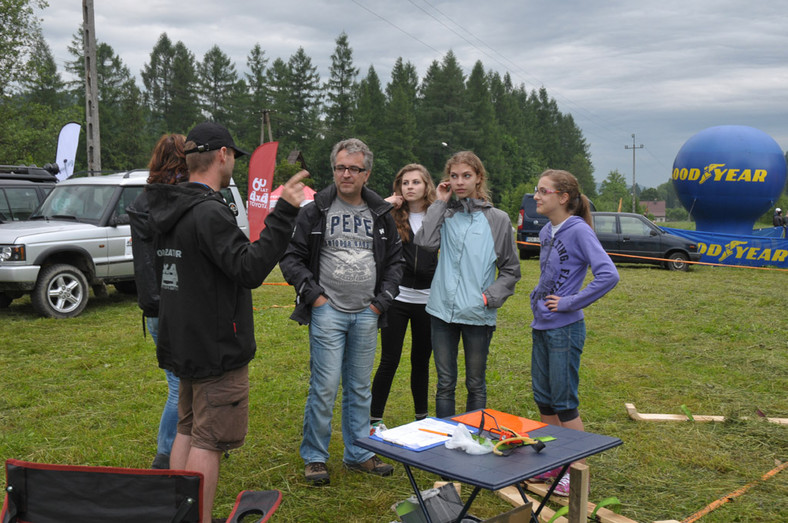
(655, 208)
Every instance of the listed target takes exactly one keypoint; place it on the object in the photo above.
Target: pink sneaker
(562, 489)
(546, 476)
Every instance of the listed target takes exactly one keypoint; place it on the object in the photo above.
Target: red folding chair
(45, 493)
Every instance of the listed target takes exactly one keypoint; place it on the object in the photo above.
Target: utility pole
(266, 123)
(634, 187)
(92, 134)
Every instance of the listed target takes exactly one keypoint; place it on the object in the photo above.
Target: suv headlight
(12, 253)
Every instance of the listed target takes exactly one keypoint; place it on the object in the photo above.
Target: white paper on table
(412, 437)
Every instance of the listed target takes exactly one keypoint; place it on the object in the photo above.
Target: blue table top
(496, 472)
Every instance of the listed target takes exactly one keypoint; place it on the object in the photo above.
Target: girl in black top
(414, 191)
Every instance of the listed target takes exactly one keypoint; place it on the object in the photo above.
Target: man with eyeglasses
(345, 263)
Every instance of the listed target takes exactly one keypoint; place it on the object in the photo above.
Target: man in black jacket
(345, 262)
(206, 268)
(778, 220)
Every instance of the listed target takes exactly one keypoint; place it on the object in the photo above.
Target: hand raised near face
(293, 189)
(443, 191)
(395, 200)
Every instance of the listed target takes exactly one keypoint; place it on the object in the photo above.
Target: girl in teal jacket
(475, 241)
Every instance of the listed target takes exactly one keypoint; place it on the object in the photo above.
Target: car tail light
(520, 219)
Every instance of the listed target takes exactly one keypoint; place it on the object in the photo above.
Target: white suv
(79, 238)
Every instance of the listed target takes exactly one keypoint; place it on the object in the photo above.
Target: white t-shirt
(556, 227)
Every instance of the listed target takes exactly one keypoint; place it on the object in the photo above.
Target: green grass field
(88, 391)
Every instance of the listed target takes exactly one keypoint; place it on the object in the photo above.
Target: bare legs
(186, 457)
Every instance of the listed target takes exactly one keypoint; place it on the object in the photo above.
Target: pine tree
(305, 96)
(121, 108)
(399, 119)
(371, 102)
(442, 113)
(278, 80)
(158, 83)
(41, 82)
(216, 84)
(259, 98)
(184, 109)
(483, 133)
(341, 91)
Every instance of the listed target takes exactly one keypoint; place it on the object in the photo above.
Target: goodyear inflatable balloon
(728, 176)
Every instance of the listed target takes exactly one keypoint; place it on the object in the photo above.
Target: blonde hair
(565, 182)
(402, 214)
(469, 158)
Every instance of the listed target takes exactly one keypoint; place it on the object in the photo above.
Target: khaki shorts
(215, 411)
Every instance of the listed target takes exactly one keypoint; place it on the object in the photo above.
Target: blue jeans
(342, 346)
(445, 346)
(168, 425)
(555, 365)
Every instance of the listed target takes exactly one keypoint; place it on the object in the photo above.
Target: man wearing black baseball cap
(206, 267)
(210, 136)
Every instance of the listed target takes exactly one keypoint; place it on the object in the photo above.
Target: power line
(395, 26)
(517, 71)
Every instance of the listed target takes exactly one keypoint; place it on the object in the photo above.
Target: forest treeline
(411, 118)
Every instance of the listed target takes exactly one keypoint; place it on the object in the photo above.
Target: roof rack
(32, 173)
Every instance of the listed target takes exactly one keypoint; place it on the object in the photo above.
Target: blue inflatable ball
(728, 176)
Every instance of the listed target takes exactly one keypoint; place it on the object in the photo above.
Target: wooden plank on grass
(604, 515)
(637, 416)
(512, 495)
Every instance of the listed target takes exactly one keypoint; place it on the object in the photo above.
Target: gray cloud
(662, 70)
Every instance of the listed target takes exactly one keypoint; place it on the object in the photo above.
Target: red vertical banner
(261, 178)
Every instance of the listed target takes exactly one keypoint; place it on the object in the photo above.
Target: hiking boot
(373, 465)
(317, 474)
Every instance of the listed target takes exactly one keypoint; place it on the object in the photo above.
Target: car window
(83, 202)
(605, 224)
(127, 197)
(23, 201)
(633, 226)
(5, 209)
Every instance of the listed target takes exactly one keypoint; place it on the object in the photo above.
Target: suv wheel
(678, 262)
(61, 292)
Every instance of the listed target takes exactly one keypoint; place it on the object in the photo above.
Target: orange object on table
(494, 420)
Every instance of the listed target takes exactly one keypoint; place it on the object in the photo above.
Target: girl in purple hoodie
(568, 247)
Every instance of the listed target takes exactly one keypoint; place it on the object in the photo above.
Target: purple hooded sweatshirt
(564, 261)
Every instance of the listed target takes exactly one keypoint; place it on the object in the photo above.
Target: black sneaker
(317, 474)
(161, 461)
(373, 465)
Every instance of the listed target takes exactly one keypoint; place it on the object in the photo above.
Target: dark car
(22, 189)
(529, 223)
(634, 235)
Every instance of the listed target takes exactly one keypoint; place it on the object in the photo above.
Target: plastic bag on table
(463, 440)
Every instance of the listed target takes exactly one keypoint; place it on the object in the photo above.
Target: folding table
(493, 472)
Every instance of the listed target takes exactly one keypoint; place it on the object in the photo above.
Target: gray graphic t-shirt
(347, 266)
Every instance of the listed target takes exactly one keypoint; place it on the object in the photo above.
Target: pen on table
(434, 432)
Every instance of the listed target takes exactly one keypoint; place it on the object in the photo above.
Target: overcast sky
(661, 70)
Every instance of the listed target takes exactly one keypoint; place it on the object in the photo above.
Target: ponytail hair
(565, 182)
